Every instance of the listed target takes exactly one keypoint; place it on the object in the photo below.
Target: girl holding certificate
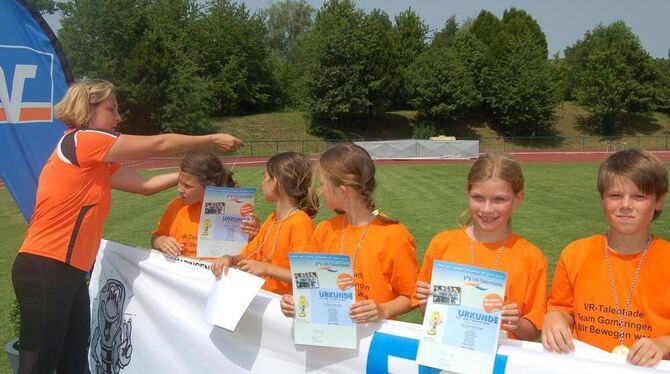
(177, 232)
(611, 290)
(382, 251)
(495, 189)
(287, 183)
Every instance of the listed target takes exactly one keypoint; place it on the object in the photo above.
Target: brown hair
(494, 165)
(347, 164)
(207, 167)
(643, 168)
(294, 175)
(80, 101)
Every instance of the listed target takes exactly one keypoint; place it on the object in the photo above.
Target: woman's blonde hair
(347, 164)
(493, 165)
(80, 101)
(293, 172)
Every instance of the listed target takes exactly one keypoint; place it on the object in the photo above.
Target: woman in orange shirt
(286, 183)
(495, 189)
(72, 202)
(382, 251)
(177, 232)
(611, 290)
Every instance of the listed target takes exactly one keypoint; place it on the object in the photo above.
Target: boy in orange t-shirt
(382, 251)
(612, 290)
(287, 183)
(495, 189)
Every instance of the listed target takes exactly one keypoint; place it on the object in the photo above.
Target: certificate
(462, 321)
(219, 230)
(323, 291)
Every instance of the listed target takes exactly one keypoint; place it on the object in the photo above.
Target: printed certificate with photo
(219, 231)
(461, 325)
(323, 291)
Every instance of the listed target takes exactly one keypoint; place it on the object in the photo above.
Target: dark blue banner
(33, 78)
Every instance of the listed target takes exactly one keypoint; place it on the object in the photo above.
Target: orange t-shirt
(181, 221)
(73, 199)
(524, 264)
(294, 235)
(581, 287)
(386, 266)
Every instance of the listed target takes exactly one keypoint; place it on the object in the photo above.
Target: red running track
(256, 161)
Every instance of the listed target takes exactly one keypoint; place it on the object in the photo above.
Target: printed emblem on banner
(111, 347)
(26, 85)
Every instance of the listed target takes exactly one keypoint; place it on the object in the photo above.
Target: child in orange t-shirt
(495, 189)
(177, 232)
(287, 183)
(382, 251)
(612, 290)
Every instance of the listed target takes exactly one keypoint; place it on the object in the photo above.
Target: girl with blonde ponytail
(381, 249)
(287, 183)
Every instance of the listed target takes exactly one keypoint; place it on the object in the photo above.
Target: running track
(524, 157)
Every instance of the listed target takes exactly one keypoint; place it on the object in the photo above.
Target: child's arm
(557, 332)
(128, 180)
(166, 244)
(422, 294)
(520, 326)
(369, 311)
(262, 268)
(648, 352)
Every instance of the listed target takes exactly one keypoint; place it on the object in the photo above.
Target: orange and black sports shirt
(73, 199)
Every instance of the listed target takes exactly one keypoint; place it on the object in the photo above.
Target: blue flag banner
(33, 78)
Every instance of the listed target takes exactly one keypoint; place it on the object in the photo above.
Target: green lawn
(561, 205)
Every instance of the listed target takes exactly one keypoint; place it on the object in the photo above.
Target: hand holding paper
(230, 297)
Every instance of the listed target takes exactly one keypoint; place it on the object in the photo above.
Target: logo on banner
(111, 347)
(26, 85)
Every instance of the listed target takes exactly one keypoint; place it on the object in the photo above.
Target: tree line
(177, 63)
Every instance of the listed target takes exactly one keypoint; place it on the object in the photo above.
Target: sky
(563, 21)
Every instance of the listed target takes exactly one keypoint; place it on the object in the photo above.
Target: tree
(514, 82)
(343, 78)
(612, 74)
(287, 22)
(409, 37)
(445, 37)
(443, 81)
(44, 6)
(663, 85)
(236, 58)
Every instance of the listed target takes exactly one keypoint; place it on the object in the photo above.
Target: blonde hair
(493, 165)
(294, 175)
(641, 167)
(347, 164)
(80, 101)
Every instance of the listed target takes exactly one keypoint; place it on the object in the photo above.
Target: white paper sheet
(230, 297)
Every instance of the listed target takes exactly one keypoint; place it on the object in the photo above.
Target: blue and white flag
(33, 78)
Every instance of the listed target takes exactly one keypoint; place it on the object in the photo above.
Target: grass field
(561, 205)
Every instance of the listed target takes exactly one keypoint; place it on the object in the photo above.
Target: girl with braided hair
(287, 183)
(177, 232)
(381, 249)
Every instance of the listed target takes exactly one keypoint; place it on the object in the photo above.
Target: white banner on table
(147, 316)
